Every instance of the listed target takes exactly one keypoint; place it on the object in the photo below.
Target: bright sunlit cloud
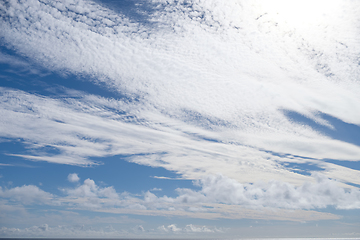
(302, 13)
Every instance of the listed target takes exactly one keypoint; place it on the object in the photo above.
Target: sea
(182, 238)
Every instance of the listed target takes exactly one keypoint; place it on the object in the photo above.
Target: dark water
(184, 238)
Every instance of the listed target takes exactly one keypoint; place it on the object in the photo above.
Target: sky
(180, 118)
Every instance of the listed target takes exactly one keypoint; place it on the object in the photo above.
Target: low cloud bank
(217, 189)
(45, 230)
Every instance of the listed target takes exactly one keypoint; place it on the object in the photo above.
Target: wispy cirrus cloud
(91, 126)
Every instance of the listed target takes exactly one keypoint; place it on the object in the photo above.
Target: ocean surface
(188, 238)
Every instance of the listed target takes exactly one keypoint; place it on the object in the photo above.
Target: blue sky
(179, 119)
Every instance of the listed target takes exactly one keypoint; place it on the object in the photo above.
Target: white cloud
(219, 197)
(197, 229)
(206, 86)
(22, 67)
(173, 228)
(162, 229)
(7, 209)
(190, 228)
(18, 215)
(220, 71)
(168, 178)
(89, 195)
(139, 228)
(73, 177)
(27, 194)
(275, 194)
(79, 231)
(86, 127)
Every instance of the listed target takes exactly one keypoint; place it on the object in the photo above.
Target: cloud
(85, 127)
(197, 229)
(168, 178)
(8, 209)
(139, 229)
(190, 228)
(173, 228)
(73, 177)
(89, 195)
(16, 214)
(27, 194)
(219, 197)
(275, 194)
(23, 68)
(205, 88)
(45, 230)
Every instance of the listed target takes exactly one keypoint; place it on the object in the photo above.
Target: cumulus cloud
(89, 195)
(324, 192)
(190, 228)
(219, 197)
(73, 177)
(198, 229)
(27, 194)
(173, 228)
